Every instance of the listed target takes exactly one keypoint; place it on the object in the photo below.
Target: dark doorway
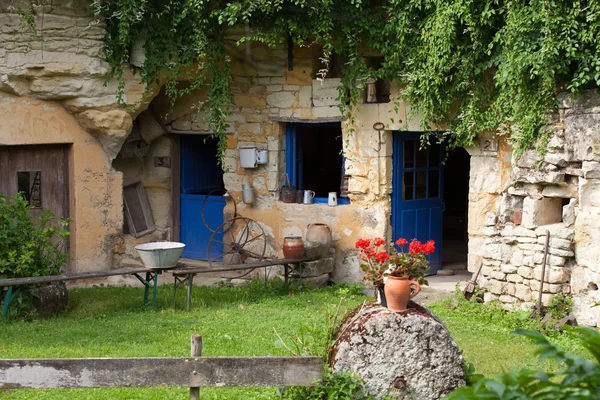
(456, 199)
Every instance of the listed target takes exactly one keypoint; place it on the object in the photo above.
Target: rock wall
(61, 63)
(557, 193)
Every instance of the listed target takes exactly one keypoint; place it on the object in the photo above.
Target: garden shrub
(578, 379)
(29, 246)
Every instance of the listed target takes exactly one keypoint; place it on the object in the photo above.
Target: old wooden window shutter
(138, 216)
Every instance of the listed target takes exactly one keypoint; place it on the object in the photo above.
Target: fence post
(196, 352)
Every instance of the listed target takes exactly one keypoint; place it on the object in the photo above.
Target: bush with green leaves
(30, 246)
(333, 386)
(578, 379)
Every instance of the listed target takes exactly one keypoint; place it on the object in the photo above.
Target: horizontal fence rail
(150, 372)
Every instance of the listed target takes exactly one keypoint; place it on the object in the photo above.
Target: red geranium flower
(429, 247)
(382, 256)
(362, 243)
(414, 247)
(378, 242)
(401, 242)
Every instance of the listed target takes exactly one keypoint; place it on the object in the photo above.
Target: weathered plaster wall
(62, 62)
(557, 193)
(95, 188)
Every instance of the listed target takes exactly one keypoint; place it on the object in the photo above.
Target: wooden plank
(71, 277)
(151, 372)
(235, 267)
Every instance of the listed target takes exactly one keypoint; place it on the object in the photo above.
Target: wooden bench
(150, 282)
(184, 275)
(193, 372)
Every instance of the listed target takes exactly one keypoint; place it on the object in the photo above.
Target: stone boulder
(50, 300)
(407, 355)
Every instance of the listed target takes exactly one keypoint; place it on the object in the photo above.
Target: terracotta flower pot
(398, 291)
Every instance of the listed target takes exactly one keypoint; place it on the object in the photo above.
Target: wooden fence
(193, 372)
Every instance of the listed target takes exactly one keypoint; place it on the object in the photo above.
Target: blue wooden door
(417, 203)
(200, 175)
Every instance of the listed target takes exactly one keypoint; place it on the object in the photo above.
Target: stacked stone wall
(558, 192)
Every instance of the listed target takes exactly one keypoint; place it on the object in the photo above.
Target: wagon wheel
(218, 192)
(243, 240)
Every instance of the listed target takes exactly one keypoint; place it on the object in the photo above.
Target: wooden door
(40, 173)
(417, 204)
(200, 175)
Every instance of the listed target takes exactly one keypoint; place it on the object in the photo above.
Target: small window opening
(315, 161)
(138, 215)
(29, 184)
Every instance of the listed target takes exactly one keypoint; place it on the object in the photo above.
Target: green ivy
(485, 65)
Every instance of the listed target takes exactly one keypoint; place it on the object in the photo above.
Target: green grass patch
(111, 322)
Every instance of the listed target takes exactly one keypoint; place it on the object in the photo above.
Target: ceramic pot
(320, 233)
(398, 291)
(293, 247)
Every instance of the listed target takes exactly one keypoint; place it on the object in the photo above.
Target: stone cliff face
(62, 62)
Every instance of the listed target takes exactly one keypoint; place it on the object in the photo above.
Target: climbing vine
(472, 65)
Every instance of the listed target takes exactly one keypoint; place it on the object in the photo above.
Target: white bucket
(160, 254)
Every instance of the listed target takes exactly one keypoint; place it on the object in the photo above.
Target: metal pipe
(539, 304)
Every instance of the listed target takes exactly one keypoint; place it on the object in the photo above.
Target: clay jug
(320, 233)
(398, 291)
(293, 247)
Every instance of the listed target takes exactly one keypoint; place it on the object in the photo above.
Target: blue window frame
(300, 174)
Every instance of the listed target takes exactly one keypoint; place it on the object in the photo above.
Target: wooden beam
(70, 277)
(152, 372)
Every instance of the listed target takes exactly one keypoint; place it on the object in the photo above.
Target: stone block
(582, 136)
(523, 232)
(495, 287)
(569, 214)
(558, 159)
(589, 193)
(508, 299)
(508, 268)
(317, 267)
(525, 272)
(305, 96)
(326, 112)
(553, 274)
(527, 306)
(546, 297)
(498, 275)
(529, 159)
(541, 212)
(274, 88)
(591, 169)
(281, 99)
(526, 175)
(485, 175)
(563, 191)
(528, 260)
(556, 231)
(270, 68)
(517, 258)
(491, 219)
(526, 240)
(560, 253)
(555, 288)
(325, 92)
(511, 289)
(514, 278)
(498, 251)
(550, 259)
(291, 88)
(556, 242)
(252, 128)
(522, 292)
(487, 297)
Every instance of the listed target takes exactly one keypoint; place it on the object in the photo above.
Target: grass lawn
(110, 322)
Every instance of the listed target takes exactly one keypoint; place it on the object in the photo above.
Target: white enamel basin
(160, 254)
